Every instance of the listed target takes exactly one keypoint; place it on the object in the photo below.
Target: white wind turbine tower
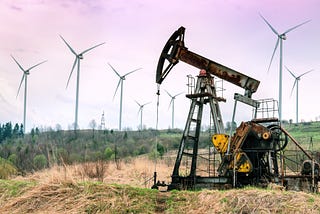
(172, 103)
(280, 39)
(77, 61)
(121, 79)
(141, 112)
(25, 78)
(296, 83)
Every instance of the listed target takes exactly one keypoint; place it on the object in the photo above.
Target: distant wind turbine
(25, 78)
(172, 104)
(141, 112)
(296, 83)
(77, 61)
(280, 39)
(121, 79)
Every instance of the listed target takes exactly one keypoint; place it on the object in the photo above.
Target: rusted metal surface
(218, 70)
(174, 50)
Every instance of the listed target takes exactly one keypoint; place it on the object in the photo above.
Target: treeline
(45, 148)
(7, 131)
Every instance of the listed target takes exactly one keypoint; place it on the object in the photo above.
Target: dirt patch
(161, 202)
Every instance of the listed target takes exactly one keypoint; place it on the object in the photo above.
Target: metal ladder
(205, 93)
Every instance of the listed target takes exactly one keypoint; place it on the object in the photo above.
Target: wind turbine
(121, 79)
(296, 83)
(77, 61)
(280, 39)
(172, 103)
(141, 111)
(25, 78)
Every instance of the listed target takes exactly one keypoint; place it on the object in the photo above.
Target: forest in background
(21, 153)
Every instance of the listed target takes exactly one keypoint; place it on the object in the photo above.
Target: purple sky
(229, 32)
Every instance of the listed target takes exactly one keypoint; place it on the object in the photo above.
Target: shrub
(40, 161)
(13, 158)
(108, 153)
(7, 169)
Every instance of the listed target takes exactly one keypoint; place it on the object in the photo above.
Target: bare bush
(95, 170)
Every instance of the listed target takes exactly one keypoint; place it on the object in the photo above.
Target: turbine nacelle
(283, 36)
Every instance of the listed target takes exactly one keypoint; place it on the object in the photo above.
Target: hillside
(69, 189)
(46, 148)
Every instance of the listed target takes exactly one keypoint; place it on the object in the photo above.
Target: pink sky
(229, 32)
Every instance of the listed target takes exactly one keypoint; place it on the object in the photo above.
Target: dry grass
(71, 189)
(258, 201)
(136, 172)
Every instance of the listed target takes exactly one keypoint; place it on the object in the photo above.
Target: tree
(7, 130)
(108, 153)
(21, 132)
(160, 149)
(93, 125)
(15, 131)
(40, 161)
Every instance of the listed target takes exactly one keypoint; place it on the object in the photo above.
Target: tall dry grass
(64, 189)
(137, 172)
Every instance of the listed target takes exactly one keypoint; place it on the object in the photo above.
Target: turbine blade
(131, 72)
(146, 103)
(68, 45)
(296, 26)
(20, 84)
(291, 72)
(114, 70)
(293, 87)
(170, 102)
(92, 48)
(117, 88)
(18, 64)
(138, 103)
(177, 94)
(37, 64)
(140, 109)
(274, 51)
(305, 73)
(74, 65)
(269, 25)
(169, 94)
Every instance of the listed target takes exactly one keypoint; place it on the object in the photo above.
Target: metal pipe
(295, 142)
(231, 126)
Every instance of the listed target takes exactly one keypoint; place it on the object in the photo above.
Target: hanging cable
(156, 142)
(157, 122)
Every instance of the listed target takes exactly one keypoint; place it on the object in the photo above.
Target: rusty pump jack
(255, 154)
(205, 92)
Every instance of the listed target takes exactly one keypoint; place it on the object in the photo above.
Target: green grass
(303, 132)
(95, 197)
(14, 188)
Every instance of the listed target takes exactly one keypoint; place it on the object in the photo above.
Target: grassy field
(125, 189)
(307, 134)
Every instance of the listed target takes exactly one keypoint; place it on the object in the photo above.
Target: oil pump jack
(254, 155)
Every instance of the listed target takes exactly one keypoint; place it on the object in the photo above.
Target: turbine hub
(283, 36)
(80, 56)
